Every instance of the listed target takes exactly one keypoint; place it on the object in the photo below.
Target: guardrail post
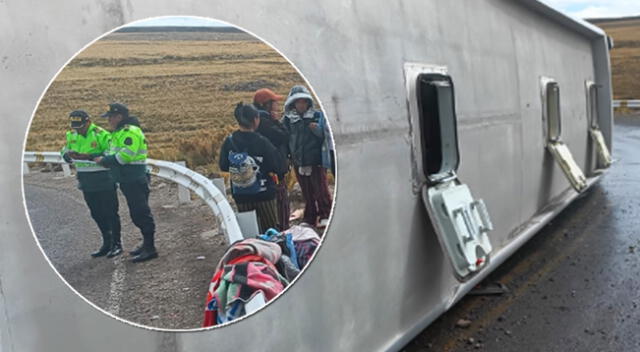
(248, 223)
(184, 195)
(66, 170)
(219, 183)
(25, 168)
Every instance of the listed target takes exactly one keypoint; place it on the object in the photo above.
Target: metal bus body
(516, 84)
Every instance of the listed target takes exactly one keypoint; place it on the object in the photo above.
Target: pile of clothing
(265, 264)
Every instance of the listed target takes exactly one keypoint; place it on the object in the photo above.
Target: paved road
(575, 286)
(168, 292)
(68, 235)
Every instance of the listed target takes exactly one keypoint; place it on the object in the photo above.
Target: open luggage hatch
(461, 222)
(603, 156)
(553, 129)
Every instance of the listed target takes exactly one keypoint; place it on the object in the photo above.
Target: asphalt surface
(168, 292)
(574, 287)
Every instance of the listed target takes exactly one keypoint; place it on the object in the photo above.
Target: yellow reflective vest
(127, 154)
(91, 176)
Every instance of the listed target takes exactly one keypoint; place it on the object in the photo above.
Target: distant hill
(612, 20)
(156, 29)
(625, 56)
(155, 33)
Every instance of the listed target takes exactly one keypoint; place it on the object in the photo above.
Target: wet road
(574, 287)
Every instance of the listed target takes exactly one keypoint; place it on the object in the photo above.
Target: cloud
(597, 8)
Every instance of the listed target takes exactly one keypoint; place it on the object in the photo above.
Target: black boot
(145, 254)
(116, 248)
(148, 250)
(137, 251)
(106, 246)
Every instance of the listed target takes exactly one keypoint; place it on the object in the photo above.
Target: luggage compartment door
(460, 222)
(552, 129)
(565, 160)
(603, 156)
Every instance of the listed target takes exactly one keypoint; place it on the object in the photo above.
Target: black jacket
(266, 156)
(305, 144)
(275, 132)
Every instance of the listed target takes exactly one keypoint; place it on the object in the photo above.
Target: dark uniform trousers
(103, 206)
(137, 195)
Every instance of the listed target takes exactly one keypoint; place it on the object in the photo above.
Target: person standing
(252, 162)
(85, 141)
(306, 139)
(127, 160)
(328, 151)
(266, 101)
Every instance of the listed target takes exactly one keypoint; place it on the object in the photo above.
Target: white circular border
(137, 325)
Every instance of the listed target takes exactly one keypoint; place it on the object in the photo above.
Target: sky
(597, 8)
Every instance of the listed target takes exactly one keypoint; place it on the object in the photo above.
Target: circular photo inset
(179, 173)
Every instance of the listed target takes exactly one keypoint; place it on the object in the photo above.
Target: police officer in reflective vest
(127, 160)
(85, 141)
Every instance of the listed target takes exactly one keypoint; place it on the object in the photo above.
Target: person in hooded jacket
(127, 160)
(306, 139)
(266, 102)
(268, 162)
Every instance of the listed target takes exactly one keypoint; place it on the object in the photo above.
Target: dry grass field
(625, 57)
(182, 86)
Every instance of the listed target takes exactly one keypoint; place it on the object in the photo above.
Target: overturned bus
(461, 128)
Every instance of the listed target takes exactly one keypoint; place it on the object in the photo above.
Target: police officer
(127, 160)
(85, 141)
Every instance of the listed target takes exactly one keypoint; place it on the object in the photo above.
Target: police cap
(117, 108)
(78, 118)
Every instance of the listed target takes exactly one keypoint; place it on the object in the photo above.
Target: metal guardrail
(634, 104)
(181, 175)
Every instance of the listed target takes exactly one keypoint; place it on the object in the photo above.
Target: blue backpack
(244, 172)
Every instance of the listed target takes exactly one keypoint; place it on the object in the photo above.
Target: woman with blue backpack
(307, 144)
(253, 163)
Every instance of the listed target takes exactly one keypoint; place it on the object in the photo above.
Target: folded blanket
(236, 284)
(267, 250)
